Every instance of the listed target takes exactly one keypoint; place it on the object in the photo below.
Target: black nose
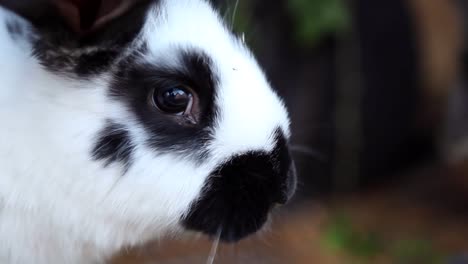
(240, 193)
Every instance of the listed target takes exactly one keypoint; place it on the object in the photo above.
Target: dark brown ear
(85, 16)
(82, 16)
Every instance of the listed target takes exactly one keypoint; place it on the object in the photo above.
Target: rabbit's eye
(174, 100)
(177, 100)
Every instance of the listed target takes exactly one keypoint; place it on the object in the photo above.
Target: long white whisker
(214, 247)
(234, 14)
(309, 152)
(226, 14)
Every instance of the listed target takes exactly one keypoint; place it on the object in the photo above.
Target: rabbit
(123, 122)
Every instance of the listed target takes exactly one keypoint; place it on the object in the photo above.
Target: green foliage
(317, 18)
(313, 19)
(416, 251)
(341, 236)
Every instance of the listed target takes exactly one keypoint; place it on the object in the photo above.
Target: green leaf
(316, 18)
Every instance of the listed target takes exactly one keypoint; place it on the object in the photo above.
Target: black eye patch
(134, 82)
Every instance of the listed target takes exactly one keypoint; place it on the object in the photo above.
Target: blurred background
(378, 96)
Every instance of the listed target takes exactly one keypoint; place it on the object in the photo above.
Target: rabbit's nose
(240, 193)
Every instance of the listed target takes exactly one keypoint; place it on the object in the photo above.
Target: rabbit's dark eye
(174, 100)
(177, 100)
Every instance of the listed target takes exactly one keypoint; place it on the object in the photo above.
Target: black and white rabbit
(124, 121)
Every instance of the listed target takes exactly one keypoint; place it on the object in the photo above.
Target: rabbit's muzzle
(239, 194)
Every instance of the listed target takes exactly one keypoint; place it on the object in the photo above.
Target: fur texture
(88, 167)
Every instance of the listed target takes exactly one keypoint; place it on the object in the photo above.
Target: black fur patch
(114, 145)
(134, 83)
(94, 62)
(239, 195)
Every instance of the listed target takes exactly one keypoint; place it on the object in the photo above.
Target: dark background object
(381, 114)
(392, 92)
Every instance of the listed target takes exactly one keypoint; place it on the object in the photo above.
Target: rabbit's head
(138, 118)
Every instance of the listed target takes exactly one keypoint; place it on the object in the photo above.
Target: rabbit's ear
(90, 15)
(82, 16)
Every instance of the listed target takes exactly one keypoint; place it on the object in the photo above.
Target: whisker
(309, 152)
(226, 13)
(234, 14)
(214, 247)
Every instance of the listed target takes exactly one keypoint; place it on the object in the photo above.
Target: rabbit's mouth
(239, 195)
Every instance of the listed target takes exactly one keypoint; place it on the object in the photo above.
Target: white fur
(57, 205)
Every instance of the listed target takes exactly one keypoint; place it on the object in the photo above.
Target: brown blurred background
(378, 95)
